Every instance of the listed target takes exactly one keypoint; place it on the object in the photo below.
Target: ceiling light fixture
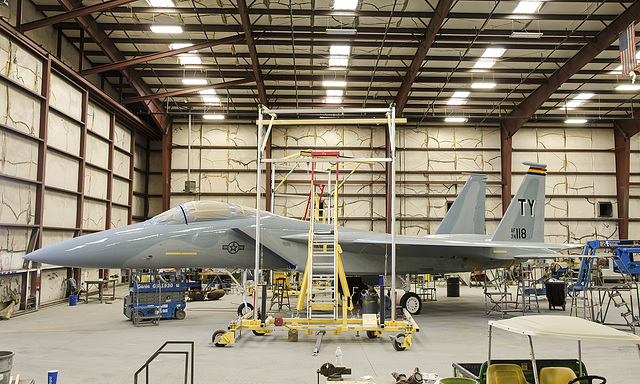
(341, 31)
(345, 5)
(494, 52)
(484, 64)
(584, 96)
(166, 29)
(483, 85)
(208, 92)
(525, 35)
(211, 99)
(340, 50)
(334, 83)
(192, 81)
(335, 92)
(460, 94)
(332, 100)
(189, 59)
(575, 121)
(456, 102)
(628, 87)
(161, 3)
(455, 120)
(528, 7)
(338, 62)
(173, 46)
(213, 117)
(573, 103)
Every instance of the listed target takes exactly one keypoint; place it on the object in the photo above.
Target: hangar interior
(105, 122)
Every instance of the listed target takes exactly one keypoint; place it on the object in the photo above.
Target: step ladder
(626, 310)
(527, 295)
(497, 297)
(280, 296)
(578, 291)
(324, 271)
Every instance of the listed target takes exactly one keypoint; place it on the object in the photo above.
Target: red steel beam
(523, 112)
(506, 152)
(73, 14)
(97, 34)
(623, 130)
(440, 14)
(160, 55)
(253, 53)
(187, 91)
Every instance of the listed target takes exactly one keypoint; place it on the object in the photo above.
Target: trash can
(369, 304)
(6, 362)
(453, 286)
(556, 293)
(73, 300)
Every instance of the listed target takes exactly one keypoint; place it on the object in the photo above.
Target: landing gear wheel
(243, 310)
(411, 302)
(371, 334)
(590, 378)
(215, 338)
(180, 314)
(397, 342)
(258, 333)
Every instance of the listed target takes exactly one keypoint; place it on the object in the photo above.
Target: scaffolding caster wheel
(215, 338)
(397, 342)
(371, 334)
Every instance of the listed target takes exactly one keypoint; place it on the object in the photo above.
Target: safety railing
(188, 361)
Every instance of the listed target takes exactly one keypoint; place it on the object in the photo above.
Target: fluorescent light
(335, 92)
(526, 35)
(166, 29)
(334, 83)
(484, 64)
(483, 85)
(575, 121)
(213, 117)
(573, 103)
(161, 3)
(494, 52)
(584, 96)
(460, 94)
(192, 81)
(340, 50)
(189, 59)
(628, 87)
(211, 99)
(527, 7)
(455, 119)
(179, 45)
(338, 62)
(348, 5)
(456, 102)
(208, 92)
(332, 100)
(341, 31)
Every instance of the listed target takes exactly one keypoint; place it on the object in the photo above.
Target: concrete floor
(95, 343)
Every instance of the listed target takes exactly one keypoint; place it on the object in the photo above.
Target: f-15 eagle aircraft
(215, 234)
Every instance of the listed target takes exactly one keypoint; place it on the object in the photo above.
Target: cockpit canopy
(198, 211)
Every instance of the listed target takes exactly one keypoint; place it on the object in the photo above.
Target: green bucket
(457, 380)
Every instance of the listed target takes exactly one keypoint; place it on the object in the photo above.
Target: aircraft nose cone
(97, 250)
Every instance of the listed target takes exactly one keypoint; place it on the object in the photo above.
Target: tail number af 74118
(518, 233)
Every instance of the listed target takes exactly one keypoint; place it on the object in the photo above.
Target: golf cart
(547, 371)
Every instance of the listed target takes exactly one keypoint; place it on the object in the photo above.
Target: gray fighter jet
(215, 234)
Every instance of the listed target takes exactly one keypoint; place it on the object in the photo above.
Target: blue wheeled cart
(155, 295)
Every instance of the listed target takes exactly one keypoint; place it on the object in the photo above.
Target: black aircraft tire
(411, 302)
(216, 337)
(242, 310)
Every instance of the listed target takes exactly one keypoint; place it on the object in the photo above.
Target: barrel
(369, 304)
(73, 300)
(453, 286)
(6, 361)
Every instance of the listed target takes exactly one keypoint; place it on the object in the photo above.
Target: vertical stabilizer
(524, 219)
(466, 215)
